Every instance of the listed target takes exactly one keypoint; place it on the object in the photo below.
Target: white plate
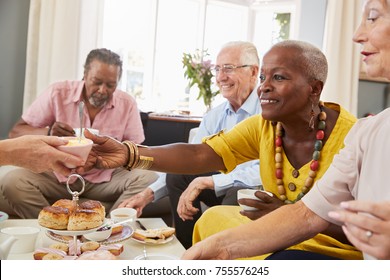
(115, 238)
(156, 256)
(71, 232)
(3, 216)
(74, 232)
(159, 241)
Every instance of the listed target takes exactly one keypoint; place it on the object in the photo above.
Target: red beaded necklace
(314, 165)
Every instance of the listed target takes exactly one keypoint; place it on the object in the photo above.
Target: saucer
(114, 238)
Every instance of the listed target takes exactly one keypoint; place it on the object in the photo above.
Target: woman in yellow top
(259, 132)
(295, 140)
(290, 158)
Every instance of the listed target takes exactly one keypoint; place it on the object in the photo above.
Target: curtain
(60, 35)
(342, 18)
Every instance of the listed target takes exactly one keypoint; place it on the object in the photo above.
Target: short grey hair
(103, 55)
(249, 53)
(312, 59)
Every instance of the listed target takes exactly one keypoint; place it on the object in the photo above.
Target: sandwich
(156, 235)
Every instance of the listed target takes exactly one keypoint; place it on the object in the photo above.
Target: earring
(311, 121)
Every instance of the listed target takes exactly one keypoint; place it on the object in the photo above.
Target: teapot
(5, 246)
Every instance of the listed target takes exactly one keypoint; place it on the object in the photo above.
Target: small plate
(156, 256)
(3, 216)
(71, 232)
(59, 238)
(115, 238)
(74, 232)
(158, 242)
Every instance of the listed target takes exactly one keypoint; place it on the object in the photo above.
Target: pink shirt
(120, 117)
(359, 172)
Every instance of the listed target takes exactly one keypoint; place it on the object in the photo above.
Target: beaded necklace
(314, 164)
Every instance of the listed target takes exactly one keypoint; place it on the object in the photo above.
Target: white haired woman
(354, 192)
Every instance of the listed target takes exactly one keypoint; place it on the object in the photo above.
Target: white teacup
(26, 238)
(121, 214)
(249, 193)
(78, 147)
(92, 130)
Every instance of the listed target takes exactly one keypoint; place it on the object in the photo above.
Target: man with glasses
(227, 68)
(236, 72)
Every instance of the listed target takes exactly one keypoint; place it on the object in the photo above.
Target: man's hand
(185, 208)
(138, 201)
(61, 129)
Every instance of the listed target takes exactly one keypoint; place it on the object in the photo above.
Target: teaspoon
(81, 116)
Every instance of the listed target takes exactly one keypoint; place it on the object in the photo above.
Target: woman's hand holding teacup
(265, 205)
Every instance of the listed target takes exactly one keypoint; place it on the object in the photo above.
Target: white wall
(312, 21)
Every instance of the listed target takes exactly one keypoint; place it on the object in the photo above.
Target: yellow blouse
(254, 138)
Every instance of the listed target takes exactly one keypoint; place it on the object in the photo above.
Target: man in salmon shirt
(56, 112)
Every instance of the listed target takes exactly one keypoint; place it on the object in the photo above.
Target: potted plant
(198, 71)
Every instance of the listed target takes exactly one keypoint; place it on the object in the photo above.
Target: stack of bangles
(135, 160)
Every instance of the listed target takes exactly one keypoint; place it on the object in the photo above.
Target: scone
(66, 203)
(83, 219)
(95, 206)
(89, 246)
(52, 256)
(54, 217)
(41, 252)
(60, 246)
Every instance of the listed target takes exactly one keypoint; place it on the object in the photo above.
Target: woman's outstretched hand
(106, 153)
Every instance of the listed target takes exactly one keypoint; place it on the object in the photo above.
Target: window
(272, 23)
(152, 35)
(127, 30)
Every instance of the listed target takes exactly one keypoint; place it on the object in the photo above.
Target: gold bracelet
(135, 160)
(132, 154)
(144, 162)
(130, 149)
(136, 156)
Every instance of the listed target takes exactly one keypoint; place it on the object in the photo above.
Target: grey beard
(97, 102)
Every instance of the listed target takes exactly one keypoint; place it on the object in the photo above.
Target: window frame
(149, 74)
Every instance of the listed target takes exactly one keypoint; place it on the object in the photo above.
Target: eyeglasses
(226, 68)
